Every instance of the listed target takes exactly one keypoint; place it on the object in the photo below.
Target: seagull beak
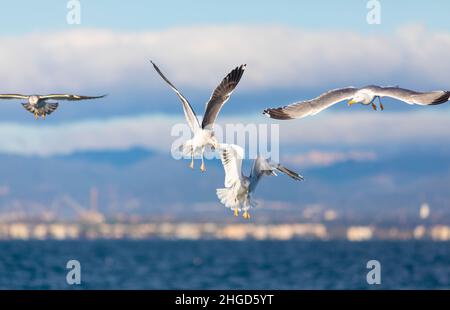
(351, 102)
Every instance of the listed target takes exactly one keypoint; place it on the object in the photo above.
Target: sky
(294, 50)
(140, 15)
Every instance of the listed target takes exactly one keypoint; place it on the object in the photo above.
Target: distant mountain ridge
(113, 157)
(159, 184)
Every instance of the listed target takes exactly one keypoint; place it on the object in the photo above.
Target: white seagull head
(33, 100)
(362, 96)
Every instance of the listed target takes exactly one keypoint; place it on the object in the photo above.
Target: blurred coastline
(221, 231)
(313, 222)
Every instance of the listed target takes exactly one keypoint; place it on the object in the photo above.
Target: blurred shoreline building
(196, 231)
(318, 222)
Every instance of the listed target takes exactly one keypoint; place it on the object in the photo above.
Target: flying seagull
(238, 188)
(39, 105)
(365, 95)
(204, 134)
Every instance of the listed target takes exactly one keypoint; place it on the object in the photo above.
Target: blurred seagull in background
(238, 188)
(39, 105)
(204, 133)
(365, 95)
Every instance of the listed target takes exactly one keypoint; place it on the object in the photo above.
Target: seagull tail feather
(227, 196)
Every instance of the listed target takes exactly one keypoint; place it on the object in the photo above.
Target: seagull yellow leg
(202, 167)
(236, 212)
(381, 105)
(192, 160)
(374, 106)
(246, 215)
(36, 116)
(44, 115)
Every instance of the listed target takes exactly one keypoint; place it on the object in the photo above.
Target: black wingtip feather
(277, 113)
(292, 174)
(236, 74)
(442, 99)
(155, 66)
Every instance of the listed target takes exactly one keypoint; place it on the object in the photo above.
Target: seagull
(204, 134)
(39, 105)
(365, 95)
(238, 188)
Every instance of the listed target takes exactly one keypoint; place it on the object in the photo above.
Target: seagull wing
(262, 167)
(221, 95)
(232, 156)
(313, 106)
(188, 111)
(69, 97)
(414, 97)
(48, 108)
(288, 172)
(13, 96)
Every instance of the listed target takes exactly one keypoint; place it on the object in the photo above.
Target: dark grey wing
(187, 108)
(50, 107)
(414, 97)
(313, 106)
(47, 109)
(69, 97)
(289, 172)
(262, 167)
(29, 107)
(13, 96)
(221, 95)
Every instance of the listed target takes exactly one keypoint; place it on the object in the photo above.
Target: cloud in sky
(354, 128)
(198, 56)
(151, 132)
(324, 159)
(330, 130)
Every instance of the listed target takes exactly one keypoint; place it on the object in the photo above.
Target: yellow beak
(351, 102)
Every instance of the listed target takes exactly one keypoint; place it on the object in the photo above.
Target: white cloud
(324, 159)
(352, 129)
(199, 56)
(118, 133)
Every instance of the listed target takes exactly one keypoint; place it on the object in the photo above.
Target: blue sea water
(212, 264)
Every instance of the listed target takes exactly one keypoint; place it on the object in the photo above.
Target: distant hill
(139, 181)
(113, 157)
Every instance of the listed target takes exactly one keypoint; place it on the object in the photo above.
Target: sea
(218, 264)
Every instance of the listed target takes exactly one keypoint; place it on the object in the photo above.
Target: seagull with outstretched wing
(238, 188)
(39, 104)
(365, 95)
(204, 133)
